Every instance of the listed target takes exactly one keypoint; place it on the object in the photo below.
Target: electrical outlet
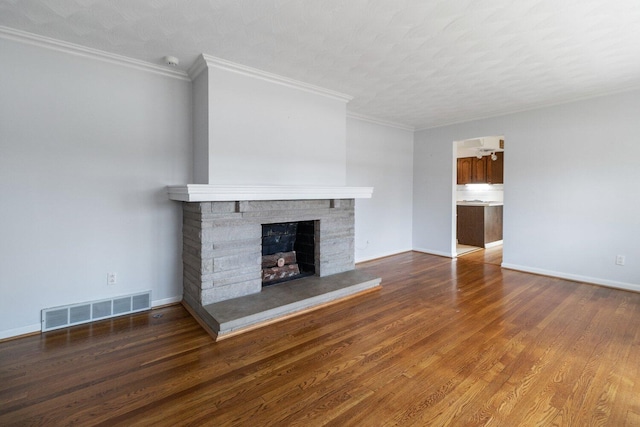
(619, 259)
(112, 279)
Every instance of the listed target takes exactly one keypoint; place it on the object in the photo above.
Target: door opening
(479, 194)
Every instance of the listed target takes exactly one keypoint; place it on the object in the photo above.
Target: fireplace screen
(288, 251)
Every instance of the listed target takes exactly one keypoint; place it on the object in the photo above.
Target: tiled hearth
(222, 258)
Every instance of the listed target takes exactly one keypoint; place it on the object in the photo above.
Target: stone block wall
(222, 243)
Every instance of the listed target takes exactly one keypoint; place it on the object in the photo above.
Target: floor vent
(76, 314)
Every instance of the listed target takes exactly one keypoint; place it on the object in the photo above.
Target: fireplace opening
(288, 251)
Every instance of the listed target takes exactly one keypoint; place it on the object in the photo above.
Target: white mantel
(226, 193)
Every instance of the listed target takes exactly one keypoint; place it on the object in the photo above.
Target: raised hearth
(226, 318)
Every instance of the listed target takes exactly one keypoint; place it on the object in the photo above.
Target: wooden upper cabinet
(479, 170)
(495, 169)
(472, 170)
(464, 170)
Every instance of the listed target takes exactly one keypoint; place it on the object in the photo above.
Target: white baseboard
(10, 333)
(434, 252)
(493, 244)
(574, 277)
(25, 330)
(166, 301)
(381, 255)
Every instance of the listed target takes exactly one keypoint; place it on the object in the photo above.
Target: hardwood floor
(444, 342)
(488, 256)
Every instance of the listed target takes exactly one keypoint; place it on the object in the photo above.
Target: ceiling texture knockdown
(420, 63)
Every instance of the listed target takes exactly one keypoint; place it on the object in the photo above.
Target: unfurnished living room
(333, 212)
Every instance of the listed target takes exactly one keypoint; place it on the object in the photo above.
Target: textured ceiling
(419, 63)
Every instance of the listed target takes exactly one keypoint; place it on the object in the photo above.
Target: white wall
(86, 149)
(571, 173)
(200, 111)
(381, 156)
(264, 133)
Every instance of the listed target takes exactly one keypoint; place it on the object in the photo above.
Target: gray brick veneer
(222, 243)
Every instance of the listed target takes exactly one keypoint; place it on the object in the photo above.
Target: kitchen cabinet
(464, 170)
(479, 225)
(479, 170)
(472, 170)
(495, 169)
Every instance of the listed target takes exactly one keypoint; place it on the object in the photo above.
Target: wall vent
(76, 314)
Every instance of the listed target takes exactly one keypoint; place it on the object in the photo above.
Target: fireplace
(222, 242)
(228, 231)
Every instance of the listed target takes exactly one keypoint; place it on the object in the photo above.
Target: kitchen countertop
(478, 203)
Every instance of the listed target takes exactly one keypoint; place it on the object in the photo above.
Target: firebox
(288, 251)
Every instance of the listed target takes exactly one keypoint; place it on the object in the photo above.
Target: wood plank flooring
(444, 342)
(488, 256)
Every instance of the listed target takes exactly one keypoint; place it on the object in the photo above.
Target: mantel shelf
(226, 193)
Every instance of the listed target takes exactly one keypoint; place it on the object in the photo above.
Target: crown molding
(87, 52)
(230, 193)
(381, 122)
(201, 63)
(540, 106)
(207, 61)
(198, 66)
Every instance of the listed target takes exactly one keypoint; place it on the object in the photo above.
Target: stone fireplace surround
(222, 229)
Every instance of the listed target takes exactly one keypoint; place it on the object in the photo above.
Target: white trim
(226, 193)
(24, 330)
(17, 332)
(198, 66)
(493, 244)
(434, 252)
(166, 301)
(87, 52)
(574, 277)
(381, 255)
(541, 106)
(364, 118)
(211, 61)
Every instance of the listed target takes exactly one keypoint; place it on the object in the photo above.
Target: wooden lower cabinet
(479, 225)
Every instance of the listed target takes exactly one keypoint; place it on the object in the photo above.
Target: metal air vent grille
(76, 314)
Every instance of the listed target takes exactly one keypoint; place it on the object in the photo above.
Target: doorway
(478, 198)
